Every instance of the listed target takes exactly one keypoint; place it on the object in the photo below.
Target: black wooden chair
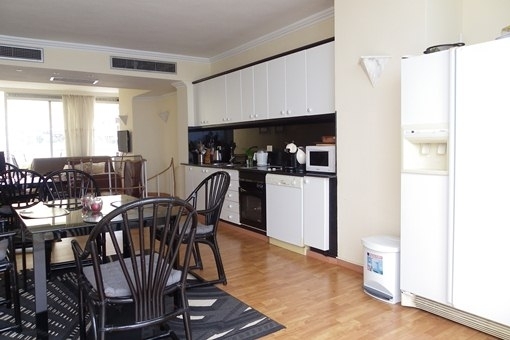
(65, 188)
(69, 184)
(207, 199)
(139, 285)
(19, 189)
(8, 269)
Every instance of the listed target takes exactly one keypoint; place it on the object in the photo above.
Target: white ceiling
(188, 28)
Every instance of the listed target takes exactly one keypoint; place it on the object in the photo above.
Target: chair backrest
(209, 195)
(69, 183)
(20, 188)
(9, 166)
(144, 264)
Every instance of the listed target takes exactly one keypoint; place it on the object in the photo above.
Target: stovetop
(274, 168)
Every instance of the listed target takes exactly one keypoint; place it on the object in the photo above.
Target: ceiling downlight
(74, 81)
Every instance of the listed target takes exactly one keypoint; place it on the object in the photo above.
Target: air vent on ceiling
(21, 53)
(143, 65)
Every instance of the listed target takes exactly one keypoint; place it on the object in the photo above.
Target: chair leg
(222, 278)
(12, 294)
(185, 315)
(81, 315)
(15, 298)
(197, 257)
(8, 290)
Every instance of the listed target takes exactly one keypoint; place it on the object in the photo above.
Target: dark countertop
(269, 169)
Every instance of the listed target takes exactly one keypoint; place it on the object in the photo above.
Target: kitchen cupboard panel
(259, 92)
(232, 98)
(295, 84)
(320, 79)
(276, 88)
(316, 212)
(211, 100)
(287, 86)
(247, 99)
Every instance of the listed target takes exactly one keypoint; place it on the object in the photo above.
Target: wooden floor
(314, 299)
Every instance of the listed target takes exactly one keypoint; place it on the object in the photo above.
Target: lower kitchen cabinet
(196, 174)
(230, 210)
(319, 214)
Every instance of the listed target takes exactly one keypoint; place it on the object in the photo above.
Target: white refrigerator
(455, 184)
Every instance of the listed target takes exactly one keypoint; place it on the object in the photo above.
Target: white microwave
(321, 158)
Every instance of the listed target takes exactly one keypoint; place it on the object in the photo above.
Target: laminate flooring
(312, 298)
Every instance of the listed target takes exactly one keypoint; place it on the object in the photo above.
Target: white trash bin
(381, 270)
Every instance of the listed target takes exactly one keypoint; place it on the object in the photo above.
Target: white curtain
(79, 125)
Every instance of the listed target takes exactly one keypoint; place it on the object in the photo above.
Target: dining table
(48, 220)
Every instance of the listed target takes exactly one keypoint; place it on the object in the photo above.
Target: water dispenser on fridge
(425, 149)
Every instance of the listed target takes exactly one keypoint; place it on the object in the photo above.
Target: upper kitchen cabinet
(233, 98)
(260, 79)
(287, 86)
(296, 84)
(320, 79)
(210, 101)
(254, 92)
(218, 100)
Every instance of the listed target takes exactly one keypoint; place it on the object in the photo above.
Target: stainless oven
(252, 200)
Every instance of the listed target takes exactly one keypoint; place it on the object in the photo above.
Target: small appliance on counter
(260, 157)
(297, 158)
(321, 158)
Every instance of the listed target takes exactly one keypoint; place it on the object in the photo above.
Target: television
(124, 141)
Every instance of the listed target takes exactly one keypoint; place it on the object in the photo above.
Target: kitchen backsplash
(303, 133)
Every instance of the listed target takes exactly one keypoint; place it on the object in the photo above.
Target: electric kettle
(261, 158)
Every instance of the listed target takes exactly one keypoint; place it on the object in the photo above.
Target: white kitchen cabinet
(211, 101)
(320, 79)
(247, 99)
(259, 92)
(316, 206)
(297, 84)
(196, 174)
(230, 210)
(287, 86)
(232, 98)
(218, 100)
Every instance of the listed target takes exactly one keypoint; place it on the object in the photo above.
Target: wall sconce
(164, 116)
(124, 119)
(373, 66)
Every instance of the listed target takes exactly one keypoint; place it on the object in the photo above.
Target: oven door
(252, 205)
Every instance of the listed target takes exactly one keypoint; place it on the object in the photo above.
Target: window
(106, 115)
(34, 127)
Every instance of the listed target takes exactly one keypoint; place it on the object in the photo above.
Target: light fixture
(74, 80)
(373, 66)
(124, 118)
(164, 116)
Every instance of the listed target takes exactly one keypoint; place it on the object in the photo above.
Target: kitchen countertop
(266, 169)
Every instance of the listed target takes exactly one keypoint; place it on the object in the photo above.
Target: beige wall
(320, 30)
(368, 118)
